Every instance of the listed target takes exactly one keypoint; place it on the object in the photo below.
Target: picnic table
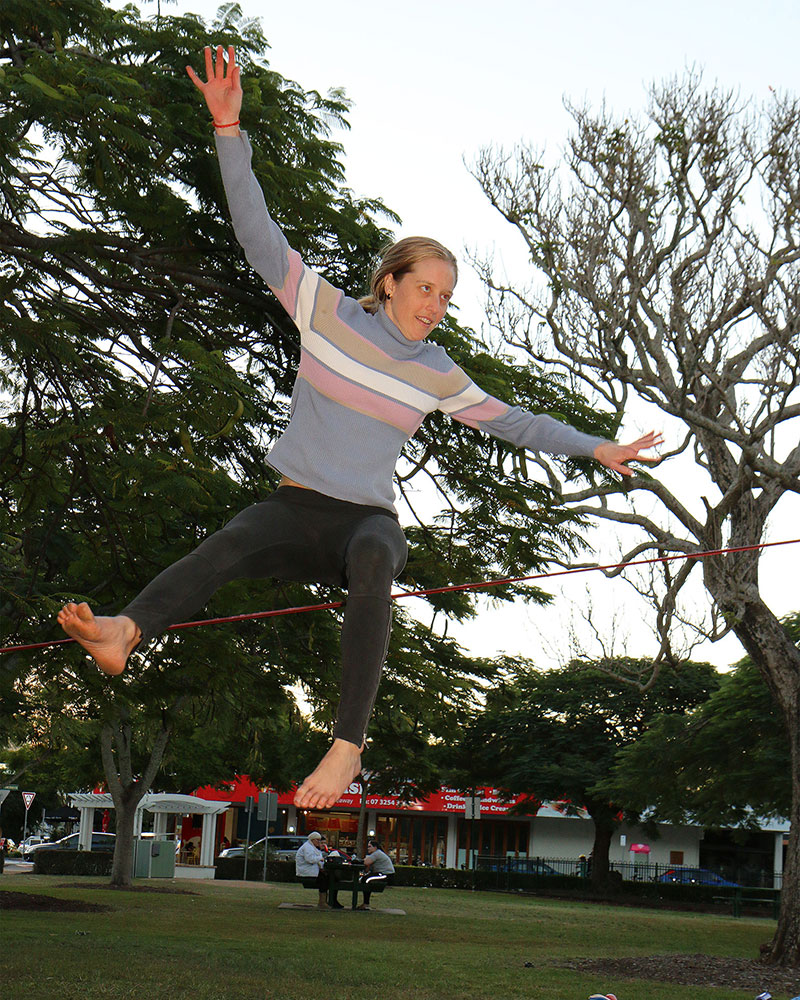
(343, 875)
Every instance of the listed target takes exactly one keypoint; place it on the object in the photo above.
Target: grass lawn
(229, 941)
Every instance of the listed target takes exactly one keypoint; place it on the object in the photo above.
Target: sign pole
(267, 811)
(249, 807)
(27, 798)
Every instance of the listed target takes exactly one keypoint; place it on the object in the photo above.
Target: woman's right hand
(222, 91)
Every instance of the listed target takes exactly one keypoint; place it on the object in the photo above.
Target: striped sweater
(362, 388)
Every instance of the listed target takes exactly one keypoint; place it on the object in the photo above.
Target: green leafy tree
(145, 372)
(554, 734)
(725, 763)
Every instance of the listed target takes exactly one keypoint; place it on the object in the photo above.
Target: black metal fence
(635, 871)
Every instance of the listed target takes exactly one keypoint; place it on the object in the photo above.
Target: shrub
(233, 868)
(72, 862)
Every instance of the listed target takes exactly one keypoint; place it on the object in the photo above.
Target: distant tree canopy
(723, 763)
(554, 734)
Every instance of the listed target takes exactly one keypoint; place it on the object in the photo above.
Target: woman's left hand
(615, 456)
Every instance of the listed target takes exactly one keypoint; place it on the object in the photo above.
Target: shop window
(414, 840)
(492, 838)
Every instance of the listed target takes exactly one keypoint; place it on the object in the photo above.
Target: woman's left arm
(538, 432)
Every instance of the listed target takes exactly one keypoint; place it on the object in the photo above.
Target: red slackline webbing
(253, 615)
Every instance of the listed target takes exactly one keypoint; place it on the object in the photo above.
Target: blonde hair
(398, 259)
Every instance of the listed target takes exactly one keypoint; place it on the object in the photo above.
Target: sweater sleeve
(537, 432)
(263, 242)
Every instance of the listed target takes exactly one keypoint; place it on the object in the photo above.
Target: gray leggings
(298, 534)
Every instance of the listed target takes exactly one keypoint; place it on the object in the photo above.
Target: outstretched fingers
(219, 73)
(651, 440)
(616, 456)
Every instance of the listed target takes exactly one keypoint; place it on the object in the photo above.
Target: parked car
(282, 847)
(100, 842)
(528, 866)
(695, 876)
(27, 846)
(521, 866)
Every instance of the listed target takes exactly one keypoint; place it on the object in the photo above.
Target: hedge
(560, 886)
(72, 862)
(233, 869)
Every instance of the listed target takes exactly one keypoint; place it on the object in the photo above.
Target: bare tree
(666, 251)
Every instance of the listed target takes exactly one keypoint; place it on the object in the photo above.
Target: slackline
(452, 588)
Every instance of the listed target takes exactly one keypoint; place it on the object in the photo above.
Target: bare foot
(109, 641)
(328, 781)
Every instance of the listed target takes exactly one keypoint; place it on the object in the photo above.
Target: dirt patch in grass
(694, 970)
(47, 904)
(171, 889)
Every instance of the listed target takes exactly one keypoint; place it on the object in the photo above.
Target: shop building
(435, 832)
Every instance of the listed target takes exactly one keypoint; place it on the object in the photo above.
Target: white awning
(154, 802)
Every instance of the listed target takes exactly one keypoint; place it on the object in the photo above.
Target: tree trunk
(784, 948)
(122, 866)
(127, 791)
(603, 831)
(778, 659)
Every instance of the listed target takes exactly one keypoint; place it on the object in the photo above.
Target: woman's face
(417, 301)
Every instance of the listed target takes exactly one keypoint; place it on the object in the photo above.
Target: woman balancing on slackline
(366, 380)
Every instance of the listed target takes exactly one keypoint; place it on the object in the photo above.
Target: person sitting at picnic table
(379, 870)
(309, 863)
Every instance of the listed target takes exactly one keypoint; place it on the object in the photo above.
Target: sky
(433, 83)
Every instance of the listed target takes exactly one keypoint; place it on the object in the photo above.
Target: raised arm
(264, 244)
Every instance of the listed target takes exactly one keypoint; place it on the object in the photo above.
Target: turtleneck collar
(409, 348)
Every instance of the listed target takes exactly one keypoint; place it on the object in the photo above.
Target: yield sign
(27, 798)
